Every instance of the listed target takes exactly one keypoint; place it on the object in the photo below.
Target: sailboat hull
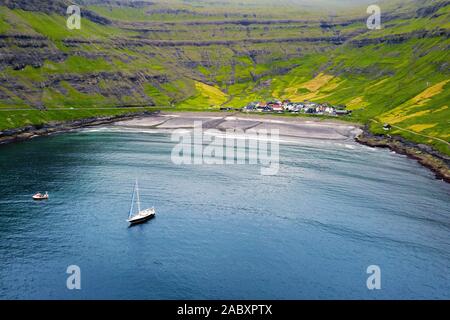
(142, 216)
(140, 220)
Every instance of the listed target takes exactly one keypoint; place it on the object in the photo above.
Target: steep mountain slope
(199, 55)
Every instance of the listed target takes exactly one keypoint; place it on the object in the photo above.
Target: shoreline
(297, 127)
(26, 133)
(426, 156)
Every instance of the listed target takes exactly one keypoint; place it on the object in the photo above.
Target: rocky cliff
(197, 58)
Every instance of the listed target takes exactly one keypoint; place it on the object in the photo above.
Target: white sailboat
(141, 215)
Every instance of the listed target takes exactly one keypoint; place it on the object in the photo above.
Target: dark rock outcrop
(431, 10)
(400, 38)
(52, 6)
(425, 155)
(28, 50)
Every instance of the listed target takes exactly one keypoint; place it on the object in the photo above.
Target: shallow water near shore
(221, 232)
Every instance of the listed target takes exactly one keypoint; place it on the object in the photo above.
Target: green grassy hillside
(201, 55)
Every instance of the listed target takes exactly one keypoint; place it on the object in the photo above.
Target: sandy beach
(293, 127)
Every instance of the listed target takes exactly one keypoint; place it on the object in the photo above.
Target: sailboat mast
(132, 202)
(138, 198)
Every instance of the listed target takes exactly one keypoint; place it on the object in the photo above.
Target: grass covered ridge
(404, 82)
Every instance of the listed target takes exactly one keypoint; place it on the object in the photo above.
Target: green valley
(202, 55)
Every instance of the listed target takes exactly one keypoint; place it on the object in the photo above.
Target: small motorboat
(141, 215)
(40, 196)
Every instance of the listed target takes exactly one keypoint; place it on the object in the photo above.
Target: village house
(307, 107)
(341, 112)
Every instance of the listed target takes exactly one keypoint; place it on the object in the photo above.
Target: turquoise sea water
(221, 232)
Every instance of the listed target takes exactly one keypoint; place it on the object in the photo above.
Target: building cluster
(288, 106)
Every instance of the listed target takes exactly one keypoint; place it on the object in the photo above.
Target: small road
(413, 132)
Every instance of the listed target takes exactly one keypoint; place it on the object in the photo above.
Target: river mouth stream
(221, 231)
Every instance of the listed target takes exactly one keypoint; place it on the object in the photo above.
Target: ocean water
(221, 232)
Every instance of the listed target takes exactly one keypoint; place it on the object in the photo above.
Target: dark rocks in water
(425, 155)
